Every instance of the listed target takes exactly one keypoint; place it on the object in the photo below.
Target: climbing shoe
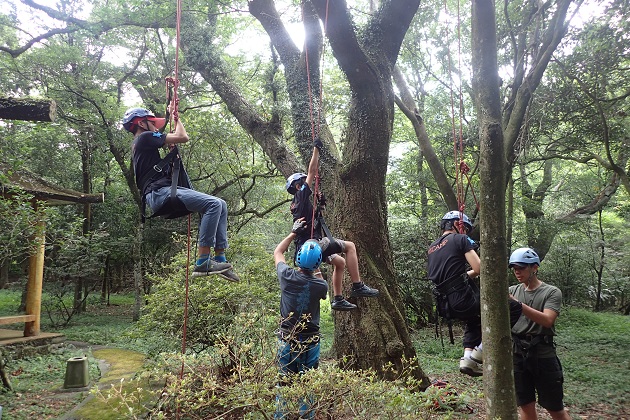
(342, 305)
(210, 267)
(230, 275)
(468, 367)
(363, 290)
(477, 355)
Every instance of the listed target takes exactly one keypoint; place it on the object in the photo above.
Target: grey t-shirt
(300, 294)
(544, 297)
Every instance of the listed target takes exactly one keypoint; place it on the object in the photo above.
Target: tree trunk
(137, 272)
(4, 273)
(376, 333)
(498, 367)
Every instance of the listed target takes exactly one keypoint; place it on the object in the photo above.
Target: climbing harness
(173, 207)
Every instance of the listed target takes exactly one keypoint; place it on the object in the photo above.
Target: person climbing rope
(457, 294)
(299, 185)
(537, 369)
(155, 188)
(300, 295)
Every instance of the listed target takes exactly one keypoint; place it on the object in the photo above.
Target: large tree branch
(74, 25)
(202, 56)
(407, 105)
(391, 23)
(266, 13)
(345, 45)
(513, 119)
(18, 51)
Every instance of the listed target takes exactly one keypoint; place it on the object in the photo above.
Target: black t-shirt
(145, 152)
(299, 300)
(446, 256)
(301, 206)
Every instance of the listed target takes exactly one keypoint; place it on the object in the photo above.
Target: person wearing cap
(145, 151)
(299, 185)
(537, 369)
(300, 295)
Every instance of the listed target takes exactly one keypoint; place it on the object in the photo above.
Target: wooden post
(28, 109)
(35, 282)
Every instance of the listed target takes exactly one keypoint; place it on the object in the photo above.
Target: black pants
(472, 328)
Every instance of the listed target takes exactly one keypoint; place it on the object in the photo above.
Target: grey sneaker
(363, 291)
(477, 355)
(230, 275)
(210, 267)
(342, 305)
(468, 367)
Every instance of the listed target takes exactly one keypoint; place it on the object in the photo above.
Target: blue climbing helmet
(449, 219)
(309, 257)
(291, 180)
(133, 116)
(524, 256)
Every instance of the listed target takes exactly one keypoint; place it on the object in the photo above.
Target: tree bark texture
(498, 369)
(28, 109)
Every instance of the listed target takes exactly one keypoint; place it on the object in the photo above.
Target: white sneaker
(477, 355)
(469, 367)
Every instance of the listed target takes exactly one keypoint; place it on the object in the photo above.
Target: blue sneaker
(230, 275)
(210, 267)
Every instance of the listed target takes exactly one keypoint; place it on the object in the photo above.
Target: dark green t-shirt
(544, 297)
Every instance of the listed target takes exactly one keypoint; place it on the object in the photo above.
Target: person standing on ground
(299, 185)
(537, 369)
(145, 152)
(300, 295)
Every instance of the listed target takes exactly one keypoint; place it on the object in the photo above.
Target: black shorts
(331, 247)
(545, 378)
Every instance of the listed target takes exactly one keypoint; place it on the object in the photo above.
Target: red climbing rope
(461, 168)
(315, 128)
(172, 84)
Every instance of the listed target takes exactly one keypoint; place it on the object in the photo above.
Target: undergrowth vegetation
(235, 375)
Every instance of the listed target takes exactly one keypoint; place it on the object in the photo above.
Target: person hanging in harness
(299, 185)
(537, 369)
(156, 177)
(457, 295)
(453, 263)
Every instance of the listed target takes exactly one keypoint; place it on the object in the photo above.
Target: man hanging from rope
(452, 264)
(145, 151)
(299, 185)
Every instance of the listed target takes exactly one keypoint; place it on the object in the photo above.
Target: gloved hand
(318, 143)
(299, 226)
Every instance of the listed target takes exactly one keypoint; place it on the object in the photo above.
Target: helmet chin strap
(529, 279)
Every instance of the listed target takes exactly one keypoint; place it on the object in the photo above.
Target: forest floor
(594, 350)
